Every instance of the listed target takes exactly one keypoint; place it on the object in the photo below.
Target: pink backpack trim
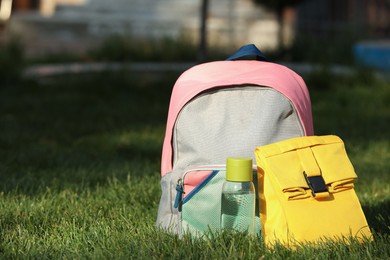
(226, 73)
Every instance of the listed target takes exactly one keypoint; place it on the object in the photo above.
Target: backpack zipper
(179, 194)
(180, 183)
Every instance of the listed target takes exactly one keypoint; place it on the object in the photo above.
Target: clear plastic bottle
(238, 196)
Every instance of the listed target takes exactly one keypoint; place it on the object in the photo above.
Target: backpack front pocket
(199, 199)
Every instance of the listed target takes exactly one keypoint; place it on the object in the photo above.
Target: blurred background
(320, 31)
(85, 88)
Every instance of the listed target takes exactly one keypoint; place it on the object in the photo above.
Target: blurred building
(48, 25)
(74, 25)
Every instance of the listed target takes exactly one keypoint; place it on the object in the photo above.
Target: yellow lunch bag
(306, 192)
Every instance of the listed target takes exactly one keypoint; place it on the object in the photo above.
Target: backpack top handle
(248, 50)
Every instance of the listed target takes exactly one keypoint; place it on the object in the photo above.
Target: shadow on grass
(378, 217)
(79, 130)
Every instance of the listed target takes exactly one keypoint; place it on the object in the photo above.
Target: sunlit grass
(79, 170)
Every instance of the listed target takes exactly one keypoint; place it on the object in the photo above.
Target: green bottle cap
(239, 169)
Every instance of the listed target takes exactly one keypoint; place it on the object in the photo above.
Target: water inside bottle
(238, 211)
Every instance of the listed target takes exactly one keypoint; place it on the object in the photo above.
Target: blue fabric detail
(248, 50)
(200, 186)
(179, 194)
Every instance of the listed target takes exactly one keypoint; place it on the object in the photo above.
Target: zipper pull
(179, 194)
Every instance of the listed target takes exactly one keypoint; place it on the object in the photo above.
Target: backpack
(218, 110)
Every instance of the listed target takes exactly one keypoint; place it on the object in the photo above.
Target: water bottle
(238, 196)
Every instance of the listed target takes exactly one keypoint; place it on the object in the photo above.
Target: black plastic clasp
(316, 184)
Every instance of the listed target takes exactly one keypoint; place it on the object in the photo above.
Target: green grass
(79, 169)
